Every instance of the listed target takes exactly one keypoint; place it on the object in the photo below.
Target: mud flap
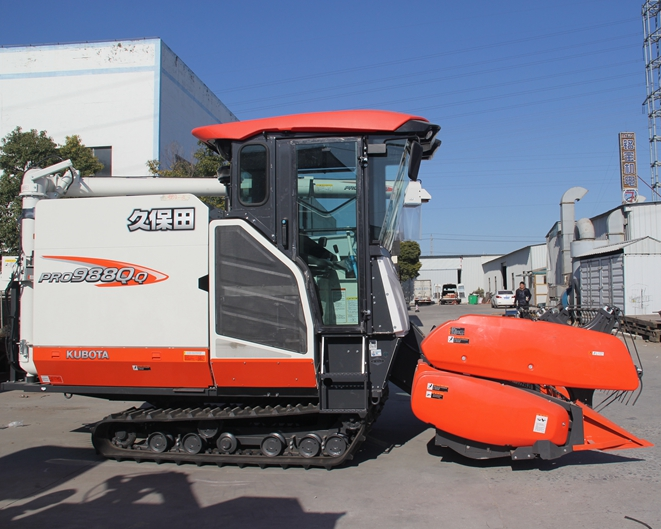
(406, 359)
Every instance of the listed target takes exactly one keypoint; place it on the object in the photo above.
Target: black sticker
(457, 331)
(452, 339)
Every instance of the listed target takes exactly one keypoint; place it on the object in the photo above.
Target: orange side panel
(534, 352)
(124, 366)
(485, 411)
(602, 434)
(264, 373)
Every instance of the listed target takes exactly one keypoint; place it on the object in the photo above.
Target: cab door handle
(284, 233)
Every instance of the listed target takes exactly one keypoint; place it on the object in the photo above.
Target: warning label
(540, 424)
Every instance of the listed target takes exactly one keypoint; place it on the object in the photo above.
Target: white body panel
(226, 347)
(170, 311)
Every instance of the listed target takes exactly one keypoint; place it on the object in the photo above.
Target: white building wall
(642, 287)
(135, 96)
(442, 270)
(643, 220)
(517, 266)
(538, 257)
(107, 93)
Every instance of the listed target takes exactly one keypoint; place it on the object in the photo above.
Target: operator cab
(302, 286)
(328, 190)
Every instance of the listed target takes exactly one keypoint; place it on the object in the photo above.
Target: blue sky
(530, 95)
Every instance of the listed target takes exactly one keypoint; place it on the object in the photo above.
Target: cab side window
(253, 173)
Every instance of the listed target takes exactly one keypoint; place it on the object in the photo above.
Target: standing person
(522, 296)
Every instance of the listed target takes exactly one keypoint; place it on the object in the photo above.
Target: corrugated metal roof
(644, 245)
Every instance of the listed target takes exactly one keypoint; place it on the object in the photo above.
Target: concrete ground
(51, 477)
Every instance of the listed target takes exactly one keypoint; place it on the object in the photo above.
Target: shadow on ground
(160, 499)
(395, 427)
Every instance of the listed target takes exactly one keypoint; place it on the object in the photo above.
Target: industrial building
(611, 259)
(131, 100)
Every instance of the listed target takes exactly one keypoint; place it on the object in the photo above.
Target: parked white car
(502, 298)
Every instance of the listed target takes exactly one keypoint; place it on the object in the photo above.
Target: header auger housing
(267, 333)
(495, 386)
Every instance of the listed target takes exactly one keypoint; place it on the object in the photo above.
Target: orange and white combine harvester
(268, 333)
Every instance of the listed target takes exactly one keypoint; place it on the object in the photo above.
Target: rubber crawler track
(172, 418)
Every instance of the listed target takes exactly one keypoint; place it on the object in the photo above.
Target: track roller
(159, 442)
(273, 445)
(310, 445)
(227, 443)
(192, 443)
(336, 445)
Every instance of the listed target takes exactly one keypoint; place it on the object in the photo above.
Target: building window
(104, 155)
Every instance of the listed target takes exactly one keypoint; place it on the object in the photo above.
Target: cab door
(261, 326)
(327, 240)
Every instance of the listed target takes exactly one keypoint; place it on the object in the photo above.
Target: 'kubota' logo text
(88, 355)
(102, 272)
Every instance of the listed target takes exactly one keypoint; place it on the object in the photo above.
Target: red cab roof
(349, 121)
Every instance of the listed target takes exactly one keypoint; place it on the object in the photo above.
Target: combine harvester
(267, 333)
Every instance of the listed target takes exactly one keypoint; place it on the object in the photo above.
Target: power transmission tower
(651, 12)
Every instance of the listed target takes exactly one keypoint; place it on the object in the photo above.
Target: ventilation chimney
(567, 223)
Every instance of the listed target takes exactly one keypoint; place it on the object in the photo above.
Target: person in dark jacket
(522, 296)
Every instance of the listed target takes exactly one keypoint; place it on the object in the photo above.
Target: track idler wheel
(227, 443)
(124, 438)
(336, 445)
(192, 443)
(159, 442)
(273, 445)
(310, 445)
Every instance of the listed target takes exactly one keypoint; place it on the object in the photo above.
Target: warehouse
(458, 269)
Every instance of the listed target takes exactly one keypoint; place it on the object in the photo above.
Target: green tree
(206, 164)
(408, 260)
(82, 157)
(20, 151)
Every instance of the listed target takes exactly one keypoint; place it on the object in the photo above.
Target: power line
(427, 57)
(381, 80)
